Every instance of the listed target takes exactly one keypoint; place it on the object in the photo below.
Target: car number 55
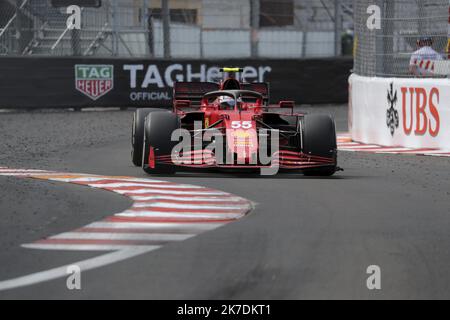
(241, 124)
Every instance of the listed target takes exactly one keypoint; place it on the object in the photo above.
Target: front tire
(319, 139)
(137, 134)
(158, 129)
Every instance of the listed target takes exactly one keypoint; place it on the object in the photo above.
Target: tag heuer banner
(60, 82)
(94, 80)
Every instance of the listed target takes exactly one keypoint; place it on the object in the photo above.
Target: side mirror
(287, 104)
(180, 104)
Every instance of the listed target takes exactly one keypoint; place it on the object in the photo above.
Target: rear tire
(158, 130)
(319, 139)
(137, 134)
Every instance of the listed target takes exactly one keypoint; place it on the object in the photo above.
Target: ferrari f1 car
(243, 131)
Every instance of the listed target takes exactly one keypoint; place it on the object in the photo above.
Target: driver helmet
(227, 102)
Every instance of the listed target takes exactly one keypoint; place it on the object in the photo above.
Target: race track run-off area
(71, 196)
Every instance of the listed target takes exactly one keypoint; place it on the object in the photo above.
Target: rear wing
(260, 87)
(193, 91)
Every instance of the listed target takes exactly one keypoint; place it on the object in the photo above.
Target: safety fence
(386, 33)
(390, 103)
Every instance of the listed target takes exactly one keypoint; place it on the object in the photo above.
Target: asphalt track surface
(306, 238)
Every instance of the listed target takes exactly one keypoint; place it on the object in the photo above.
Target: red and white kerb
(345, 143)
(162, 212)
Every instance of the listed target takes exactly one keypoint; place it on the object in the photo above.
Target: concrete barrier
(411, 113)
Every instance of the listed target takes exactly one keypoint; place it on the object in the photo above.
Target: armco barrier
(400, 112)
(37, 82)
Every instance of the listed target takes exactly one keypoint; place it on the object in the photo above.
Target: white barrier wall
(400, 112)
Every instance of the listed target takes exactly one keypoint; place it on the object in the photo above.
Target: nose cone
(242, 140)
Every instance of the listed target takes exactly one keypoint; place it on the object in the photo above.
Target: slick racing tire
(158, 129)
(137, 134)
(319, 139)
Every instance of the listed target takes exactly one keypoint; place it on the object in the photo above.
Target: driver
(226, 103)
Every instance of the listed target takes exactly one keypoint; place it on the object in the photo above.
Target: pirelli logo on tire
(94, 80)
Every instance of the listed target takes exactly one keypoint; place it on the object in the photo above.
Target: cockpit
(226, 103)
(230, 99)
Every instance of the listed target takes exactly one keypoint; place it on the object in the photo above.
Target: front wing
(283, 159)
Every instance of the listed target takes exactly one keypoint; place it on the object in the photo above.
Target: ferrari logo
(94, 80)
(241, 134)
(242, 138)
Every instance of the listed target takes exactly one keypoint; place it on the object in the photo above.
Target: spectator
(420, 62)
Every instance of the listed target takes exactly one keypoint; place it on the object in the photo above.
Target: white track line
(445, 154)
(136, 180)
(156, 226)
(214, 198)
(171, 192)
(188, 215)
(16, 174)
(22, 170)
(148, 185)
(123, 236)
(75, 180)
(82, 247)
(198, 198)
(84, 265)
(188, 206)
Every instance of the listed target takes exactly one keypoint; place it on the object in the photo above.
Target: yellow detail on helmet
(231, 69)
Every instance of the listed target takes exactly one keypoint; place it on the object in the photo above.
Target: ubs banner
(412, 113)
(91, 82)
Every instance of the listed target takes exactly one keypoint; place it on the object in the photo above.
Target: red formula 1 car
(231, 125)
